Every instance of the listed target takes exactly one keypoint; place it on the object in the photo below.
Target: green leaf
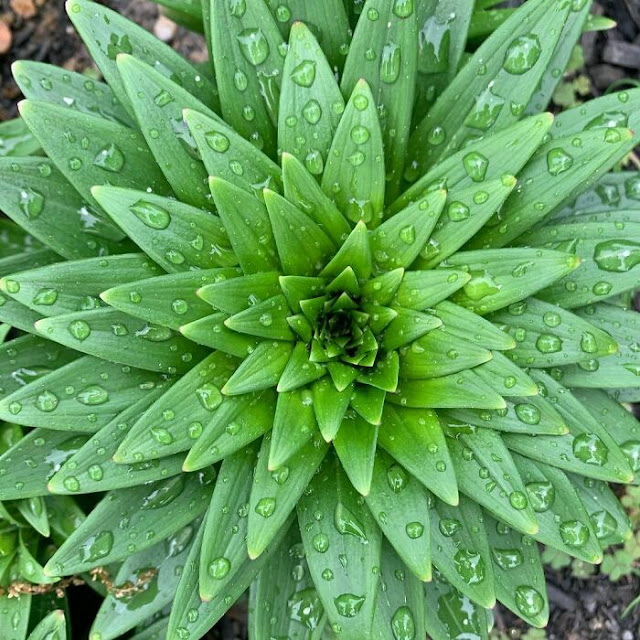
(400, 506)
(166, 560)
(466, 213)
(618, 370)
(589, 450)
(238, 294)
(111, 334)
(177, 236)
(40, 451)
(274, 494)
(34, 511)
(505, 152)
(261, 369)
(505, 377)
(420, 290)
(564, 522)
(354, 176)
(168, 300)
(398, 241)
(162, 507)
(53, 625)
(355, 253)
(211, 331)
(522, 415)
(16, 140)
(464, 389)
(368, 402)
(283, 601)
(300, 371)
(327, 20)
(547, 335)
(224, 549)
(66, 287)
(107, 34)
(500, 277)
(518, 573)
(247, 222)
(266, 319)
(92, 469)
(239, 421)
(493, 89)
(346, 530)
(17, 315)
(49, 83)
(293, 229)
(608, 255)
(330, 406)
(619, 423)
(227, 155)
(82, 396)
(408, 436)
(448, 613)
(399, 605)
(355, 445)
(14, 615)
(480, 454)
(246, 49)
(27, 358)
(440, 353)
(95, 151)
(158, 103)
(189, 612)
(178, 418)
(294, 427)
(384, 52)
(37, 196)
(311, 102)
(557, 173)
(461, 551)
(302, 190)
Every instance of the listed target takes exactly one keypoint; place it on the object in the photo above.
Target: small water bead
(612, 136)
(602, 288)
(161, 435)
(436, 136)
(574, 533)
(408, 234)
(305, 607)
(604, 524)
(75, 164)
(31, 203)
(174, 256)
(194, 430)
(486, 111)
(518, 500)
(348, 605)
(542, 495)
(254, 46)
(529, 601)
(449, 527)
(151, 215)
(97, 547)
(403, 8)
(480, 197)
(219, 568)
(548, 343)
(458, 211)
(360, 102)
(414, 530)
(631, 450)
(552, 319)
(179, 306)
(558, 161)
(304, 74)
(71, 484)
(403, 625)
(397, 478)
(312, 111)
(93, 395)
(390, 63)
(110, 158)
(240, 80)
(522, 54)
(281, 475)
(321, 542)
(590, 449)
(476, 166)
(95, 472)
(265, 507)
(209, 396)
(360, 134)
(617, 256)
(163, 98)
(314, 162)
(217, 141)
(508, 558)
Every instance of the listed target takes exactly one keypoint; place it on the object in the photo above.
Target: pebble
(5, 38)
(24, 8)
(165, 29)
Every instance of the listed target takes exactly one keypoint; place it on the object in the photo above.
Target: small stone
(24, 8)
(5, 38)
(165, 29)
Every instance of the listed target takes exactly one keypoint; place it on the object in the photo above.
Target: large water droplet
(470, 566)
(617, 256)
(508, 558)
(574, 533)
(403, 625)
(304, 74)
(47, 401)
(97, 547)
(476, 165)
(390, 62)
(151, 215)
(529, 601)
(590, 449)
(347, 524)
(558, 161)
(219, 568)
(109, 158)
(542, 495)
(254, 46)
(349, 604)
(305, 607)
(209, 396)
(31, 203)
(79, 329)
(93, 395)
(522, 54)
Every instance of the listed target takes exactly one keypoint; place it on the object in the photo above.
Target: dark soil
(580, 609)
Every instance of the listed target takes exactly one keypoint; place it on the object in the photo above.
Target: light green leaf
(211, 331)
(505, 377)
(246, 47)
(16, 139)
(107, 34)
(163, 507)
(493, 89)
(384, 52)
(400, 506)
(311, 104)
(300, 371)
(346, 530)
(500, 277)
(238, 294)
(420, 290)
(275, 493)
(95, 151)
(53, 625)
(14, 615)
(330, 406)
(109, 333)
(81, 396)
(408, 436)
(354, 176)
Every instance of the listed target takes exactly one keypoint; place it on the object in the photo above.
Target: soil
(587, 609)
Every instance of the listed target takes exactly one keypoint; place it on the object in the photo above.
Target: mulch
(39, 30)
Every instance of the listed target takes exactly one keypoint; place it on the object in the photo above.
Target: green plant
(278, 337)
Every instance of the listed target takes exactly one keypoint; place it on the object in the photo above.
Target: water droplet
(151, 215)
(397, 478)
(254, 46)
(265, 507)
(529, 601)
(97, 547)
(209, 396)
(304, 74)
(312, 111)
(219, 568)
(93, 395)
(360, 134)
(161, 435)
(574, 533)
(179, 306)
(45, 297)
(558, 161)
(449, 527)
(522, 54)
(548, 343)
(508, 558)
(476, 165)
(590, 449)
(217, 141)
(348, 604)
(518, 500)
(408, 234)
(617, 256)
(403, 8)
(403, 625)
(542, 495)
(321, 542)
(71, 484)
(390, 62)
(470, 566)
(79, 329)
(305, 607)
(31, 202)
(458, 211)
(347, 524)
(109, 158)
(47, 401)
(414, 530)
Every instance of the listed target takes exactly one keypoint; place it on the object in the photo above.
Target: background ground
(581, 609)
